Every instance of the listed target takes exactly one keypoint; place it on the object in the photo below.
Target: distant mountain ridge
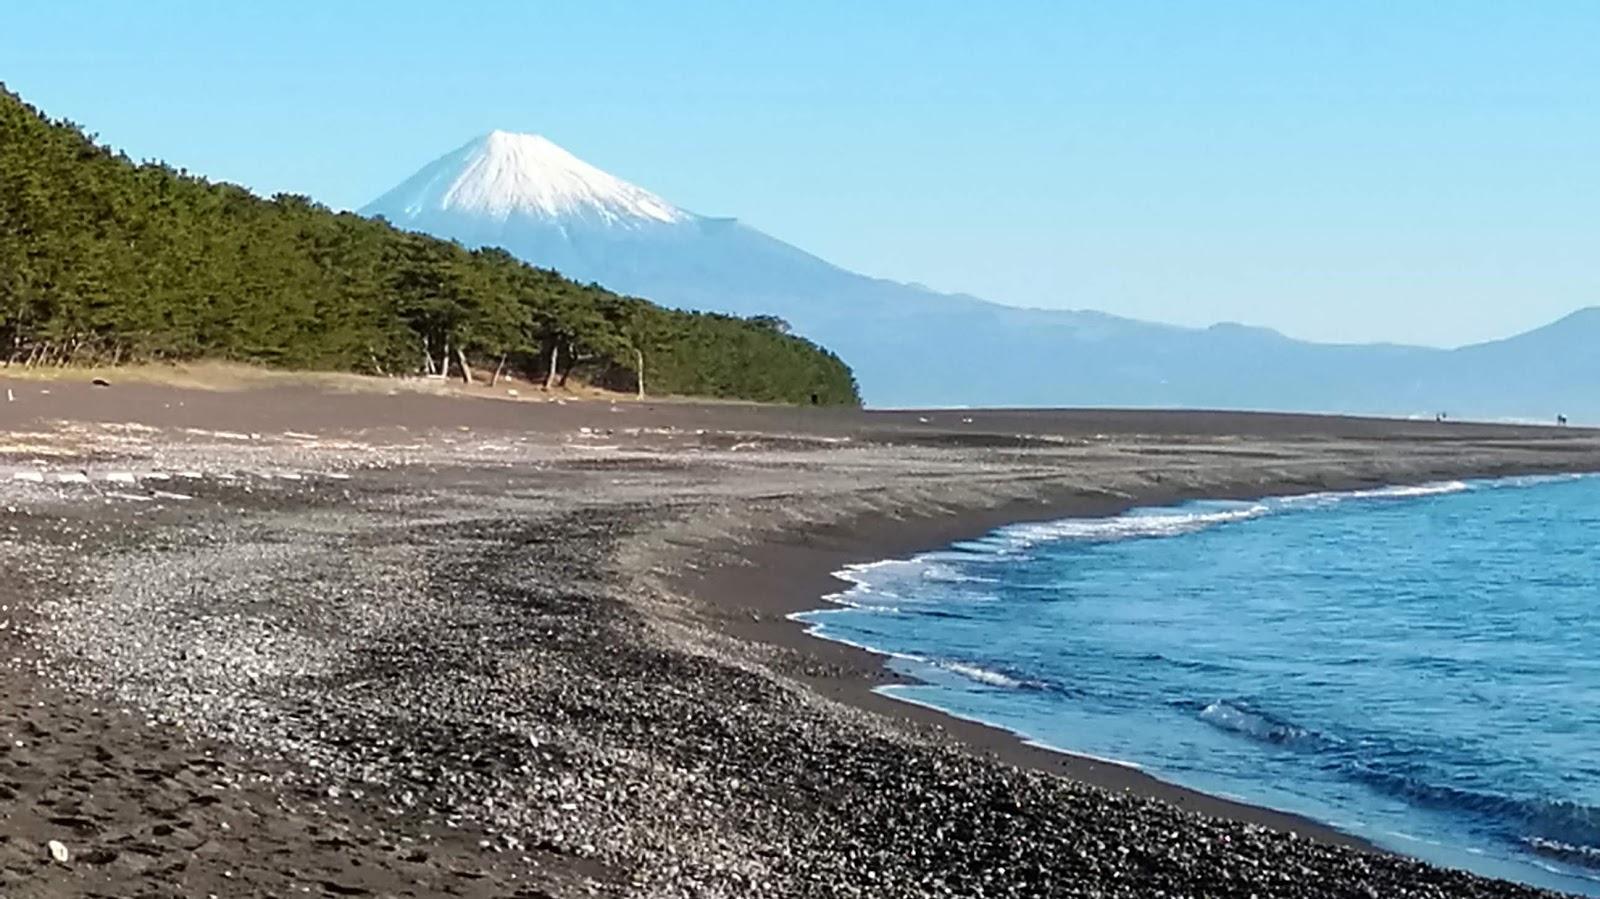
(912, 346)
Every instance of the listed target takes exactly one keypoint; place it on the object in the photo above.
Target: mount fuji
(912, 346)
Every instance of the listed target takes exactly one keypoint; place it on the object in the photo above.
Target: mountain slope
(910, 346)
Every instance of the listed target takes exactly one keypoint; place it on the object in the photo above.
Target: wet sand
(418, 645)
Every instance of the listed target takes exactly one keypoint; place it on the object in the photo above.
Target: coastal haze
(914, 347)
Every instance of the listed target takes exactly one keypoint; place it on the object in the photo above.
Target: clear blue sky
(1416, 171)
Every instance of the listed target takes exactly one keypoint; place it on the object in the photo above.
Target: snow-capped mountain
(503, 176)
(543, 204)
(911, 346)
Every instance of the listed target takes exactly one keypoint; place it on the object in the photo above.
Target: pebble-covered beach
(513, 649)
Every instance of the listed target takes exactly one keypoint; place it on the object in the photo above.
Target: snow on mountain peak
(503, 175)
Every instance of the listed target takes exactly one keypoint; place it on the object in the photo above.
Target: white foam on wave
(1139, 523)
(858, 572)
(936, 567)
(889, 579)
(854, 600)
(1227, 716)
(1534, 480)
(1403, 491)
(888, 586)
(893, 585)
(814, 628)
(979, 674)
(1175, 521)
(1400, 492)
(944, 572)
(814, 620)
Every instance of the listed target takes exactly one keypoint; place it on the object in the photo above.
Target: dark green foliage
(102, 260)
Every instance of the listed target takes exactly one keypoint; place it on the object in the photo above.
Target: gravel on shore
(431, 667)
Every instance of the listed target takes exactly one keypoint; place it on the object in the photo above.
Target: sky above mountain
(1423, 172)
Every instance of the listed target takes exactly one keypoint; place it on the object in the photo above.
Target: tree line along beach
(289, 640)
(104, 261)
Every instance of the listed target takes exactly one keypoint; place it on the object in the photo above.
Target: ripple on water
(1416, 660)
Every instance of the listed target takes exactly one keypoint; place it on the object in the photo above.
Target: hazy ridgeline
(103, 261)
(909, 345)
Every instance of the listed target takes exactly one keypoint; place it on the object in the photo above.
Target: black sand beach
(293, 641)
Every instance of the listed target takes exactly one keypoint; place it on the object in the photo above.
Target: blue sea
(1418, 666)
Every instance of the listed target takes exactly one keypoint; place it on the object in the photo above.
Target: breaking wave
(1261, 726)
(1197, 516)
(980, 674)
(1142, 523)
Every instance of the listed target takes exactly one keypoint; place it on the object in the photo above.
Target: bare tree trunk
(495, 378)
(444, 361)
(638, 354)
(376, 365)
(427, 356)
(466, 370)
(572, 361)
(555, 359)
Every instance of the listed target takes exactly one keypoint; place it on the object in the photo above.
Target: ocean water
(1418, 666)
